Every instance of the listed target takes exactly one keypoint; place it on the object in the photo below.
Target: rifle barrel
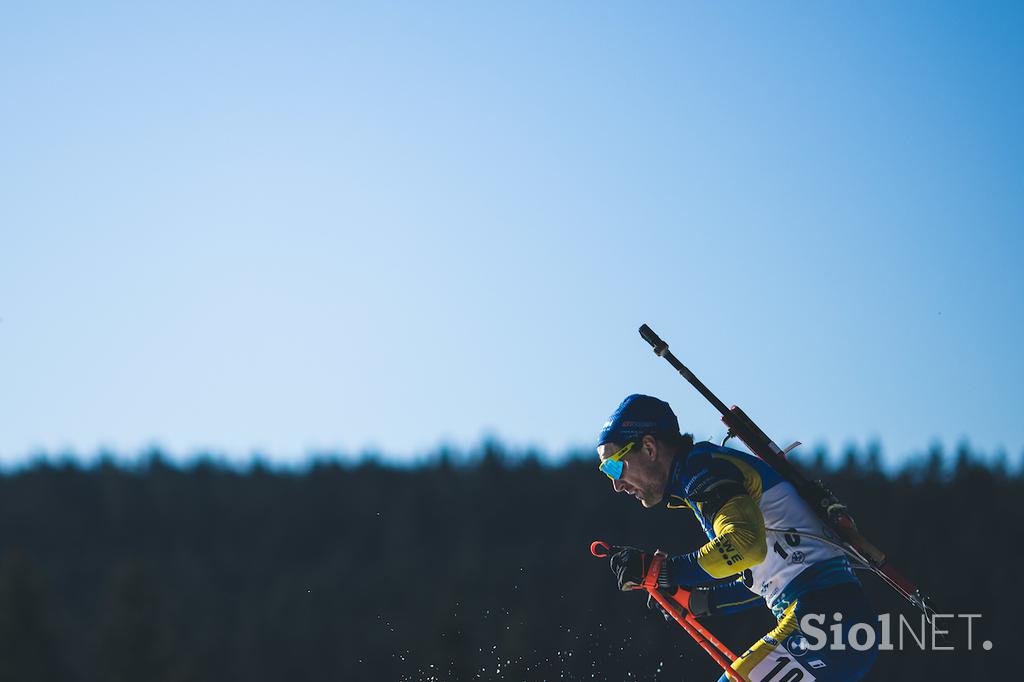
(661, 350)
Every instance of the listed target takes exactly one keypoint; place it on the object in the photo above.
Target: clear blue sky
(303, 226)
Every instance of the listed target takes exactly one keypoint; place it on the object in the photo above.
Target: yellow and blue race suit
(760, 530)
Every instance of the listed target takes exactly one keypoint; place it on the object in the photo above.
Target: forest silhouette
(457, 568)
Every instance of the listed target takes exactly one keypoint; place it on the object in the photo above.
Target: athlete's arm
(740, 542)
(729, 598)
(723, 598)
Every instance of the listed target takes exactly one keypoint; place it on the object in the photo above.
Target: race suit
(758, 529)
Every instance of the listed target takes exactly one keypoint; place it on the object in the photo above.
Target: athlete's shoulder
(707, 455)
(709, 462)
(705, 468)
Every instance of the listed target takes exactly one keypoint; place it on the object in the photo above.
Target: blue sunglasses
(612, 466)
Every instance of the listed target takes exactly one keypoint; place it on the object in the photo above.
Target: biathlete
(760, 533)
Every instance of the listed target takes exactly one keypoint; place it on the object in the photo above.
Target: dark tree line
(451, 570)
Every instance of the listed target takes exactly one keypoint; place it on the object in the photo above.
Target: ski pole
(707, 641)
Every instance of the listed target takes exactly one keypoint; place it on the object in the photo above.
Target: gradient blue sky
(307, 226)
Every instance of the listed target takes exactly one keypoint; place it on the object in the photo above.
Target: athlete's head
(637, 445)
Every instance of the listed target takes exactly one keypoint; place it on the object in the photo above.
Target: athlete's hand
(655, 605)
(695, 601)
(630, 565)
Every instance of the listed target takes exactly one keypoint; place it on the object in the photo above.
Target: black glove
(696, 601)
(630, 565)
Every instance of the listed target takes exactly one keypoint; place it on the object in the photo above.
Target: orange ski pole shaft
(696, 624)
(719, 653)
(707, 641)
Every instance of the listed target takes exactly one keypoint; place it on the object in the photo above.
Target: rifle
(829, 509)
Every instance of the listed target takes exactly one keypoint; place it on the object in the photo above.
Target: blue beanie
(638, 415)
